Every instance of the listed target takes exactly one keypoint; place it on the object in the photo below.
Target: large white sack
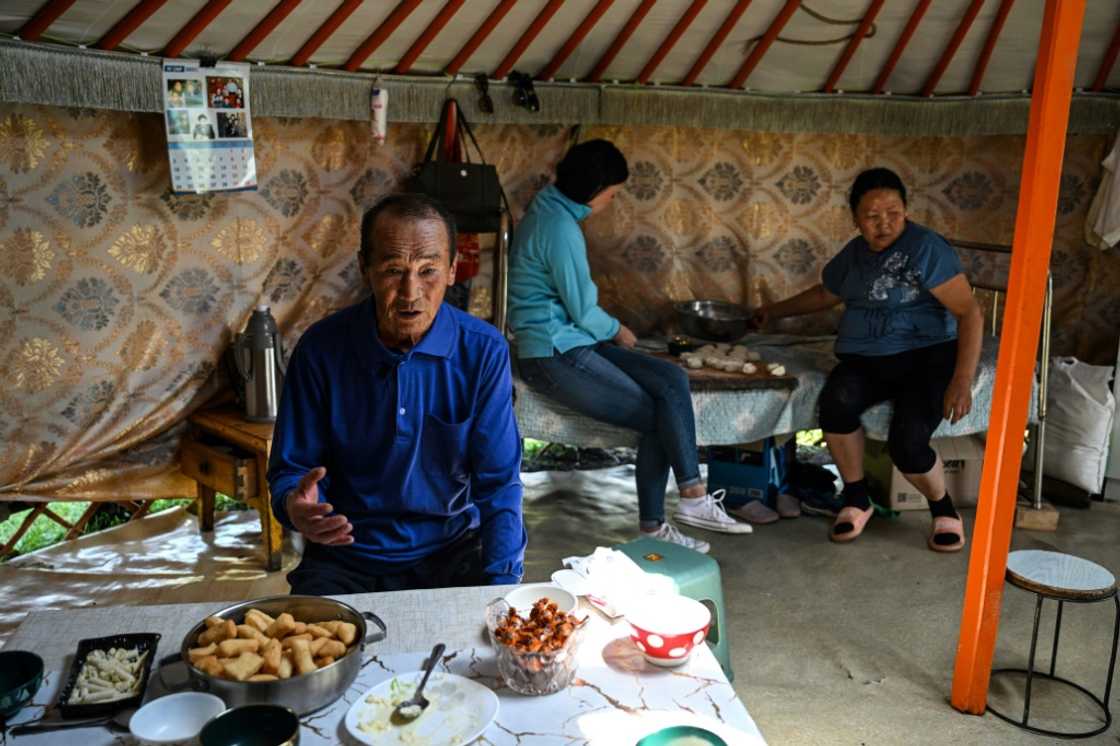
(1079, 411)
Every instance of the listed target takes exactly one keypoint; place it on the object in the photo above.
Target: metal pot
(715, 320)
(304, 693)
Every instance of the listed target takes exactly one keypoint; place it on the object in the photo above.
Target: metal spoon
(411, 709)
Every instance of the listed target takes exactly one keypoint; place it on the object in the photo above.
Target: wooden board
(706, 379)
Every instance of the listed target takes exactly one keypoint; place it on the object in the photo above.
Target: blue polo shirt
(419, 447)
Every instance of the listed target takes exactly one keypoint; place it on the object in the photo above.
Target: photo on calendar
(178, 122)
(231, 124)
(182, 92)
(225, 93)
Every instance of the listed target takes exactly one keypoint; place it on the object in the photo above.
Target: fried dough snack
(546, 629)
(263, 648)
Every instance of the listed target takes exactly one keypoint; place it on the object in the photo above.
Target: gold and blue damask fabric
(117, 297)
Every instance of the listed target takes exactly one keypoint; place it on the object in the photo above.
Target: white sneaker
(707, 512)
(668, 532)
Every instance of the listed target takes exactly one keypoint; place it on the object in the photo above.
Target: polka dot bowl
(667, 628)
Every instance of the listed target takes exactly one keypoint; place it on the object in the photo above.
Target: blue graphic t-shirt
(888, 306)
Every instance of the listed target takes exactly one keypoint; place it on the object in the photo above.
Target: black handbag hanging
(471, 191)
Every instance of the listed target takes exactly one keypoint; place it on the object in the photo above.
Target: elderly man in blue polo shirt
(396, 453)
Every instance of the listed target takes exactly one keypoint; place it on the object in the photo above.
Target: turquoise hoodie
(553, 303)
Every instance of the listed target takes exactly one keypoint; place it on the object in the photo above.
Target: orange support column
(1030, 260)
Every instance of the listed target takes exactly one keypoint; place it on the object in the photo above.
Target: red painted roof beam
(43, 18)
(267, 25)
(764, 43)
(671, 40)
(620, 41)
(381, 33)
(716, 42)
(445, 14)
(527, 38)
(853, 44)
(574, 40)
(900, 45)
(195, 26)
(131, 21)
(1108, 61)
(954, 45)
(989, 46)
(324, 32)
(479, 36)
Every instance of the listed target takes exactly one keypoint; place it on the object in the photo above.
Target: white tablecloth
(615, 690)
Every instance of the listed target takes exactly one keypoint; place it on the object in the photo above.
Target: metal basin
(304, 693)
(715, 320)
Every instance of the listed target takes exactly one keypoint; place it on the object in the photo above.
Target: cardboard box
(963, 458)
(751, 471)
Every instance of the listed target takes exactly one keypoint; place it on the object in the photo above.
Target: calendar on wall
(209, 130)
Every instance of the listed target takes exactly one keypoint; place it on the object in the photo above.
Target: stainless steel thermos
(258, 356)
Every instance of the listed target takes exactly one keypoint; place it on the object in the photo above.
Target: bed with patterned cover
(729, 417)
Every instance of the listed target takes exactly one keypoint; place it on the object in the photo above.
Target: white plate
(460, 711)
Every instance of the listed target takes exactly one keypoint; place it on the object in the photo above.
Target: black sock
(855, 496)
(944, 508)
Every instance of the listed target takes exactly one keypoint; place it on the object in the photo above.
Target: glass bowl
(525, 671)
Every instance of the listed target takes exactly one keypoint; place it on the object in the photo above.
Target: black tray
(142, 641)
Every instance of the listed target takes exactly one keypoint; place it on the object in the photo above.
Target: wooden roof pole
(620, 41)
(763, 45)
(479, 36)
(527, 38)
(989, 46)
(954, 44)
(671, 40)
(383, 31)
(445, 14)
(1108, 61)
(1030, 260)
(267, 25)
(43, 18)
(328, 27)
(195, 26)
(853, 44)
(900, 45)
(717, 41)
(584, 28)
(140, 12)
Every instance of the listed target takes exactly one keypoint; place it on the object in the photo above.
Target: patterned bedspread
(727, 417)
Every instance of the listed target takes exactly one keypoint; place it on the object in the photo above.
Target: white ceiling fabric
(785, 68)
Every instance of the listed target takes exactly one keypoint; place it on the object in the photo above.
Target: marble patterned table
(615, 695)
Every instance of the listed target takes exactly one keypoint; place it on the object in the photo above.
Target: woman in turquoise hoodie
(573, 351)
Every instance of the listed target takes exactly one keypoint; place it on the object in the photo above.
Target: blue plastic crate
(755, 471)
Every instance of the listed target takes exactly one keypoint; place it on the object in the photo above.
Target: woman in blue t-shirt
(574, 352)
(910, 333)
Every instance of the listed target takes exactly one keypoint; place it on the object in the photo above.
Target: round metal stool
(1061, 577)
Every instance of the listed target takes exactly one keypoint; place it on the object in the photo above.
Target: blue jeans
(635, 391)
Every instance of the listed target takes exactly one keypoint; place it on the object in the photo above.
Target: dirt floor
(830, 644)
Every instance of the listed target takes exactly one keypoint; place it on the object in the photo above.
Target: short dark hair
(875, 178)
(405, 205)
(590, 167)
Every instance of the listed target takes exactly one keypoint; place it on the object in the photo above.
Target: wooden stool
(1063, 578)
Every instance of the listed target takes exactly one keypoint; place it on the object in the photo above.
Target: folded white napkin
(612, 579)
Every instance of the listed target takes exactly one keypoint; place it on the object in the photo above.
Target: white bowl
(175, 720)
(524, 597)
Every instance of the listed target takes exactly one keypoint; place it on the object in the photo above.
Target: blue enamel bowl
(21, 675)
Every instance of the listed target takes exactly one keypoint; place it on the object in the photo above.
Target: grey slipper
(754, 512)
(788, 506)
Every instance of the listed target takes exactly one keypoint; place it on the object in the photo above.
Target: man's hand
(311, 517)
(625, 337)
(958, 399)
